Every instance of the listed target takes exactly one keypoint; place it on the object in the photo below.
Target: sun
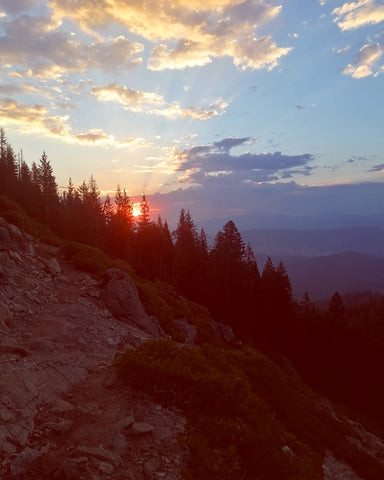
(136, 210)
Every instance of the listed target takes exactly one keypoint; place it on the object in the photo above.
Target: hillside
(343, 272)
(313, 243)
(65, 413)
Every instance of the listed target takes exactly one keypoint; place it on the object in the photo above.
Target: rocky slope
(63, 413)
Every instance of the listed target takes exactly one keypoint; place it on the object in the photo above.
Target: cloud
(46, 50)
(365, 61)
(353, 15)
(154, 104)
(207, 164)
(17, 6)
(186, 33)
(377, 168)
(35, 119)
(342, 51)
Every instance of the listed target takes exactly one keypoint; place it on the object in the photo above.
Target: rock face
(123, 301)
(60, 405)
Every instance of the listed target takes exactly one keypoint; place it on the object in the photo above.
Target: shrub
(13, 213)
(92, 259)
(232, 432)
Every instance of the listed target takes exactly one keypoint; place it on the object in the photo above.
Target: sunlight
(136, 210)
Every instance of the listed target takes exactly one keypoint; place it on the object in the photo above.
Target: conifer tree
(48, 188)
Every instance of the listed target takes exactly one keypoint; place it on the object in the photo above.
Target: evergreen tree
(186, 269)
(48, 188)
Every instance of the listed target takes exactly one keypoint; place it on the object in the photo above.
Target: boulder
(184, 327)
(23, 462)
(53, 267)
(222, 331)
(139, 429)
(5, 238)
(122, 299)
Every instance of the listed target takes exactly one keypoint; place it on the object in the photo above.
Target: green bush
(91, 259)
(231, 430)
(14, 214)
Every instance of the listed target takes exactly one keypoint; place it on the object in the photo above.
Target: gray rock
(106, 468)
(23, 462)
(184, 327)
(61, 406)
(63, 426)
(53, 266)
(14, 256)
(5, 238)
(138, 429)
(126, 422)
(223, 331)
(15, 232)
(101, 454)
(30, 250)
(122, 299)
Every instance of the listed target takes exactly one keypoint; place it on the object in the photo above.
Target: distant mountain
(287, 222)
(311, 243)
(343, 272)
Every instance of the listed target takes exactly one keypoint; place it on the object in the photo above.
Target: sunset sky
(221, 106)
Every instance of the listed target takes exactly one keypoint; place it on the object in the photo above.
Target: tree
(48, 188)
(186, 268)
(120, 227)
(230, 283)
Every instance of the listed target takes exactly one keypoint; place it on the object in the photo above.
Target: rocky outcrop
(122, 299)
(60, 405)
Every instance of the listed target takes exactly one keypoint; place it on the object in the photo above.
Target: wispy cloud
(187, 33)
(35, 119)
(353, 15)
(377, 168)
(155, 104)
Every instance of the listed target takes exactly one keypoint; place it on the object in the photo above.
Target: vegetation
(247, 418)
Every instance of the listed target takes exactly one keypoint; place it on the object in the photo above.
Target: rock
(6, 318)
(30, 250)
(106, 468)
(15, 232)
(101, 454)
(138, 429)
(288, 451)
(184, 327)
(53, 266)
(335, 469)
(122, 299)
(22, 463)
(5, 238)
(223, 331)
(61, 406)
(63, 426)
(41, 345)
(69, 468)
(126, 422)
(14, 256)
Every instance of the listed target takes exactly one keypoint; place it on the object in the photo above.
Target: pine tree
(48, 188)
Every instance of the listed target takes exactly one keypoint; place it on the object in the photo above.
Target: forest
(339, 350)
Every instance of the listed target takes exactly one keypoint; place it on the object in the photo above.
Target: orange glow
(136, 211)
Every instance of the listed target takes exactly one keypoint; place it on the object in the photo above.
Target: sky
(222, 107)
